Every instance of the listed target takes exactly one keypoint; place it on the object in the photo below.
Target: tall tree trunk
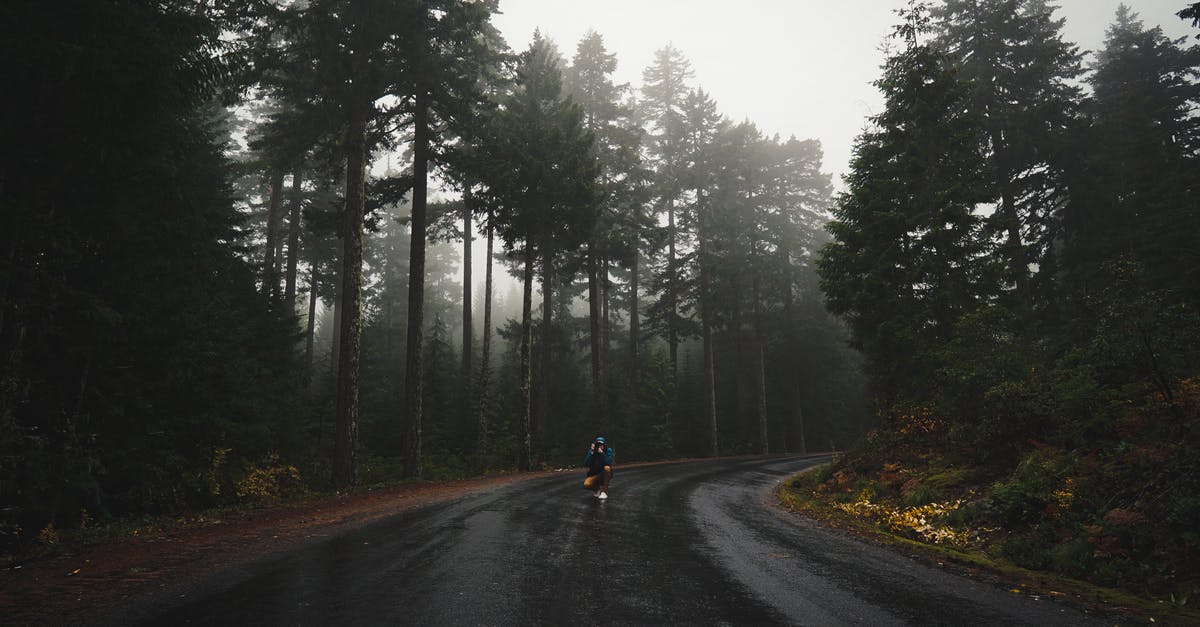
(10, 258)
(270, 273)
(524, 463)
(485, 349)
(310, 327)
(21, 282)
(635, 362)
(389, 309)
(416, 290)
(710, 392)
(788, 294)
(760, 369)
(605, 315)
(466, 372)
(740, 371)
(542, 409)
(345, 468)
(798, 418)
(593, 317)
(293, 248)
(789, 300)
(672, 298)
(710, 389)
(336, 348)
(1018, 263)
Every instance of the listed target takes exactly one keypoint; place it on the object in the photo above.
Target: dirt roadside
(99, 582)
(87, 585)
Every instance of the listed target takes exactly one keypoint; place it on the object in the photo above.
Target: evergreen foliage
(908, 261)
(210, 293)
(1065, 418)
(142, 371)
(1013, 262)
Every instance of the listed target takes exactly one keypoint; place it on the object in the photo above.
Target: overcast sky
(793, 67)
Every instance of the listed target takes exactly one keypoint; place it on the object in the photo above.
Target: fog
(791, 67)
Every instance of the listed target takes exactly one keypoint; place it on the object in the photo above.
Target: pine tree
(770, 202)
(1192, 12)
(702, 126)
(623, 221)
(1023, 85)
(1139, 199)
(544, 176)
(295, 200)
(664, 89)
(452, 46)
(588, 81)
(342, 53)
(134, 342)
(906, 261)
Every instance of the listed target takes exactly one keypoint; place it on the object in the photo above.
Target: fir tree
(905, 262)
(1022, 79)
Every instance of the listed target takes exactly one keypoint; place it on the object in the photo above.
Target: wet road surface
(688, 543)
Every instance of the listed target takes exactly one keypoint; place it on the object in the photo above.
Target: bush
(1027, 493)
(971, 515)
(1073, 557)
(1027, 550)
(948, 480)
(924, 494)
(272, 480)
(374, 470)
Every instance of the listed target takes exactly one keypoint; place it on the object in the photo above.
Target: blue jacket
(596, 463)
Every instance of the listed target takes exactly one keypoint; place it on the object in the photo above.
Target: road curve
(687, 543)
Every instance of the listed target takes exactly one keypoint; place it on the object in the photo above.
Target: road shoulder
(95, 583)
(792, 500)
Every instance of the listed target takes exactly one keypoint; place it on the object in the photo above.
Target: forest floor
(798, 495)
(88, 583)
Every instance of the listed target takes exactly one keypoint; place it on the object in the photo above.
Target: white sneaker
(602, 495)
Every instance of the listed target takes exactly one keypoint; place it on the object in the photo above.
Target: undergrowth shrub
(1025, 495)
(271, 480)
(1073, 557)
(924, 494)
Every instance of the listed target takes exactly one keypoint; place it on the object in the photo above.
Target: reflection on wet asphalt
(688, 543)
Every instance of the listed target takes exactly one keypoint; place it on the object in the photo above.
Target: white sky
(793, 67)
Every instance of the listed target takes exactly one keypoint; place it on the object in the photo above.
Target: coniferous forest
(233, 258)
(1015, 256)
(252, 249)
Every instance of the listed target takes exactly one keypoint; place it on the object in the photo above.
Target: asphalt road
(692, 543)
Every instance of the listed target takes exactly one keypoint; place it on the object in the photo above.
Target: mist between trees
(190, 320)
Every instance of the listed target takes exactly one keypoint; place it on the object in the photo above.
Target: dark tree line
(996, 209)
(1015, 256)
(212, 287)
(136, 349)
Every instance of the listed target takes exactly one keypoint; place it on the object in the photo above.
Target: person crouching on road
(599, 462)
